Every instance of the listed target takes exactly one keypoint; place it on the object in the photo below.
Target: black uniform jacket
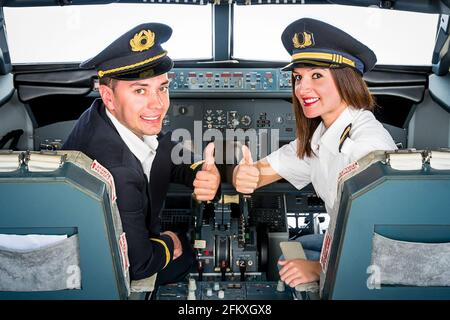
(139, 202)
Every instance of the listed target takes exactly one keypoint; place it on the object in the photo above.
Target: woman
(335, 125)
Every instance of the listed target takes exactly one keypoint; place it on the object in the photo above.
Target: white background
(396, 37)
(76, 33)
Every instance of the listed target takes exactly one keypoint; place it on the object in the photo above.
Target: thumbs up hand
(207, 180)
(209, 157)
(246, 174)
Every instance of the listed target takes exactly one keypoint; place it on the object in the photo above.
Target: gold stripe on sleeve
(166, 249)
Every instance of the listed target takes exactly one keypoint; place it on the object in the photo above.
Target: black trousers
(177, 269)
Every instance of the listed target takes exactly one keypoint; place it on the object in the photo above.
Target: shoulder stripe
(345, 134)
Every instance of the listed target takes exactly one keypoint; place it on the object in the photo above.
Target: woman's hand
(246, 174)
(298, 271)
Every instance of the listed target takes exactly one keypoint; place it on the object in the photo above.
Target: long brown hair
(351, 88)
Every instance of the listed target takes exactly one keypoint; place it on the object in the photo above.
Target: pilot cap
(137, 54)
(316, 43)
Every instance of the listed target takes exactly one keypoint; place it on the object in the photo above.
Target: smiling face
(318, 94)
(140, 105)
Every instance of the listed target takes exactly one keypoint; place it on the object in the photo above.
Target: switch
(242, 269)
(280, 286)
(223, 269)
(182, 110)
(200, 267)
(191, 295)
(192, 285)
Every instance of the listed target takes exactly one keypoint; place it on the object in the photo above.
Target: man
(122, 132)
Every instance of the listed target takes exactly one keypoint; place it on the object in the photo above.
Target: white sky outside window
(76, 33)
(396, 37)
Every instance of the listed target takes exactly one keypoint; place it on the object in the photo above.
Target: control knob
(246, 120)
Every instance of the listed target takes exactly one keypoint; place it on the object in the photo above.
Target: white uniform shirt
(144, 150)
(323, 167)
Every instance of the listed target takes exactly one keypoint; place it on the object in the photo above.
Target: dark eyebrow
(311, 69)
(140, 84)
(143, 84)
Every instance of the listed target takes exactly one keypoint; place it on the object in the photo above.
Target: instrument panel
(236, 80)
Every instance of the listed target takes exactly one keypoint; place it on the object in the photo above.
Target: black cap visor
(311, 63)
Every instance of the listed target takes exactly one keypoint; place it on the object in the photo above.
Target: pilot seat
(389, 233)
(67, 194)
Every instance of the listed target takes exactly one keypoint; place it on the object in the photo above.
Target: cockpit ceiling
(425, 6)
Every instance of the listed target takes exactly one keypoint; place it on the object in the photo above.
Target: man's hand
(246, 174)
(299, 271)
(177, 247)
(207, 180)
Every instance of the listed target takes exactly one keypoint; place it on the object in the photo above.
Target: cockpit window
(76, 33)
(397, 37)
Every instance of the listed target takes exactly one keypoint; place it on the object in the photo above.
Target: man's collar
(138, 147)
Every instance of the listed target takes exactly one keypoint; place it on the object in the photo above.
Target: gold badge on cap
(307, 40)
(143, 40)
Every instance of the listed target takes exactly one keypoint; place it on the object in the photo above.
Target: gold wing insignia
(143, 40)
(196, 164)
(307, 40)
